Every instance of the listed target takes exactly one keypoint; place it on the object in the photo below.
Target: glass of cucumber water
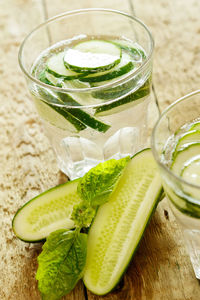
(176, 147)
(89, 74)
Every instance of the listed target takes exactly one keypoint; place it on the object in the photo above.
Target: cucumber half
(46, 213)
(120, 223)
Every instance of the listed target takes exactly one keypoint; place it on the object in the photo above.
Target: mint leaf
(96, 185)
(61, 263)
(83, 215)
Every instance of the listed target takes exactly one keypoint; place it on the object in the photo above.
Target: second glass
(176, 148)
(90, 120)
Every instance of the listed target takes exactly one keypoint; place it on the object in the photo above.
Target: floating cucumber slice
(137, 53)
(183, 204)
(187, 138)
(191, 171)
(124, 103)
(195, 126)
(66, 98)
(92, 56)
(46, 213)
(183, 156)
(125, 66)
(120, 223)
(55, 65)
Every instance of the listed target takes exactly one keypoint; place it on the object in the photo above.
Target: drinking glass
(183, 196)
(81, 147)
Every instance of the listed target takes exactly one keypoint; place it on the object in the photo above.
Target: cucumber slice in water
(195, 126)
(92, 56)
(125, 66)
(55, 66)
(187, 138)
(120, 223)
(126, 102)
(68, 113)
(183, 156)
(46, 213)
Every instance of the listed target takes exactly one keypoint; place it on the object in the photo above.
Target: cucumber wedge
(46, 213)
(120, 223)
(92, 56)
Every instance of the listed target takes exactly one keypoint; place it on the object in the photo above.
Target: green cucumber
(184, 155)
(137, 53)
(126, 102)
(125, 66)
(46, 213)
(78, 117)
(187, 138)
(58, 116)
(195, 126)
(55, 65)
(120, 223)
(184, 203)
(92, 56)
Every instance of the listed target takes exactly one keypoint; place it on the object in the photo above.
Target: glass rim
(153, 141)
(90, 89)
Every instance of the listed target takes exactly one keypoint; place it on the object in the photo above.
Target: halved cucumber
(46, 213)
(120, 223)
(55, 65)
(188, 137)
(92, 56)
(182, 157)
(126, 102)
(125, 66)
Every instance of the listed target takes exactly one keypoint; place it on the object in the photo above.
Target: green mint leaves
(97, 184)
(95, 188)
(61, 263)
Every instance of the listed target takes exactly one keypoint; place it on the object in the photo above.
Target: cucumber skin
(44, 193)
(159, 197)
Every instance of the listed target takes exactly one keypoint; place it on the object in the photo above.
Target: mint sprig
(95, 188)
(61, 263)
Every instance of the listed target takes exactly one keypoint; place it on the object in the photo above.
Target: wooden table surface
(161, 268)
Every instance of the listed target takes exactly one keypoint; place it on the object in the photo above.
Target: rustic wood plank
(176, 29)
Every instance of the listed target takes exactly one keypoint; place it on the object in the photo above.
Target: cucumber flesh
(92, 56)
(55, 65)
(120, 223)
(46, 213)
(125, 66)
